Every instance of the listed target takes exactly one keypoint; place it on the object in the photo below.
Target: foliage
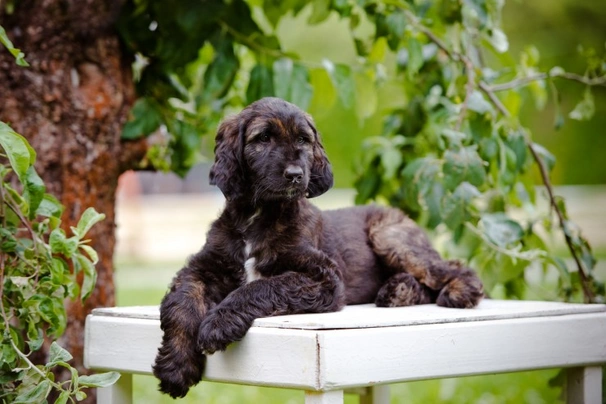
(459, 159)
(19, 56)
(453, 152)
(39, 267)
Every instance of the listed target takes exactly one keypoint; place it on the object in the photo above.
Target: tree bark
(71, 104)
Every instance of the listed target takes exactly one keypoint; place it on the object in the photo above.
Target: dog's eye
(264, 137)
(301, 140)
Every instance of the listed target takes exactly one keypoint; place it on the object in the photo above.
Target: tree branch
(589, 296)
(522, 81)
(249, 42)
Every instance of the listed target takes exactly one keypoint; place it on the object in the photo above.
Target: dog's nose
(293, 174)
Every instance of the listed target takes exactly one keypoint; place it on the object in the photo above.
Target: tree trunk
(71, 104)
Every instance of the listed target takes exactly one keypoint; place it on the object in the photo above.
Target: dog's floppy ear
(321, 179)
(227, 172)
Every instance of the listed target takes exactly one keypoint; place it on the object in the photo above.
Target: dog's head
(270, 151)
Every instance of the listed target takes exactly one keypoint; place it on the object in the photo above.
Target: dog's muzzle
(294, 174)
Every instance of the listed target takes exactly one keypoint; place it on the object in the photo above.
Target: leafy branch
(490, 92)
(35, 278)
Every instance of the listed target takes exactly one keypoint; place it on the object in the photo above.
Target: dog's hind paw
(463, 292)
(402, 289)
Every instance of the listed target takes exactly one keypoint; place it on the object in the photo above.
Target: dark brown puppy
(271, 252)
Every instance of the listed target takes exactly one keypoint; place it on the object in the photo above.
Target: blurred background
(162, 219)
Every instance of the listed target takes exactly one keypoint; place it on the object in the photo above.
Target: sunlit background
(162, 219)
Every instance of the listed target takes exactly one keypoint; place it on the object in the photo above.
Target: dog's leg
(179, 364)
(318, 290)
(402, 289)
(404, 247)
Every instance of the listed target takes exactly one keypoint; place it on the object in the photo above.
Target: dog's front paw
(462, 292)
(178, 370)
(219, 329)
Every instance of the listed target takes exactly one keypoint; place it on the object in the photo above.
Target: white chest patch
(249, 265)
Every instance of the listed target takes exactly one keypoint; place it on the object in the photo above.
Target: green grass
(145, 284)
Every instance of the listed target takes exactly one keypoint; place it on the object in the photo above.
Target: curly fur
(271, 252)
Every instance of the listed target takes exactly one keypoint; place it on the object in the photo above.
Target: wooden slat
(370, 316)
(265, 357)
(386, 355)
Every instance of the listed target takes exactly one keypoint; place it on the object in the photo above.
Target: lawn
(145, 284)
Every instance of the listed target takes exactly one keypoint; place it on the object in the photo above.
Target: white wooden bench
(367, 347)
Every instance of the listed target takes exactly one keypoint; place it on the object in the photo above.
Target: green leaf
(391, 159)
(146, 118)
(35, 336)
(501, 230)
(415, 58)
(395, 23)
(261, 83)
(90, 276)
(282, 68)
(90, 251)
(517, 143)
(454, 206)
(367, 186)
(19, 56)
(378, 51)
(498, 40)
(320, 11)
(99, 379)
(59, 270)
(58, 354)
(477, 103)
(477, 12)
(463, 165)
(63, 397)
(291, 82)
(60, 244)
(539, 93)
(185, 146)
(220, 74)
(419, 177)
(546, 157)
(585, 109)
(433, 200)
(275, 9)
(17, 150)
(301, 90)
(36, 395)
(33, 191)
(343, 81)
(450, 11)
(8, 241)
(49, 207)
(325, 94)
(89, 218)
(53, 312)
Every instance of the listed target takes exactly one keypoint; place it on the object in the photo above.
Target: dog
(271, 252)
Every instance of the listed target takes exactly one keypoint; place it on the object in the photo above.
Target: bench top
(370, 316)
(367, 344)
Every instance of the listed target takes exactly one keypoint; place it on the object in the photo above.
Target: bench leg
(324, 397)
(120, 392)
(376, 395)
(584, 385)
